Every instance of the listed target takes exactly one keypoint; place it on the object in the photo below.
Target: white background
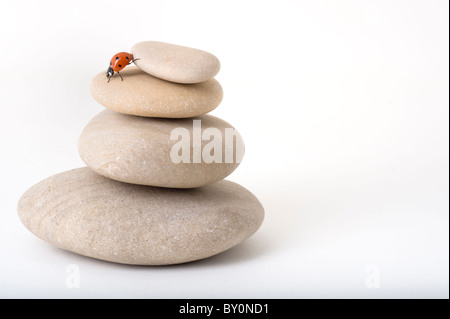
(343, 106)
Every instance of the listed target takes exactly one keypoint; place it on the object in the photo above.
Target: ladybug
(118, 62)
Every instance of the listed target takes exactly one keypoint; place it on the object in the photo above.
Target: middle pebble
(177, 153)
(142, 94)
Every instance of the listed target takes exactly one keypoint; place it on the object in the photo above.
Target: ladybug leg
(120, 76)
(132, 61)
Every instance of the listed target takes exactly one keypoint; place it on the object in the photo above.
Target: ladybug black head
(109, 73)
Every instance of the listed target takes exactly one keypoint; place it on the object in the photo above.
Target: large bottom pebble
(91, 215)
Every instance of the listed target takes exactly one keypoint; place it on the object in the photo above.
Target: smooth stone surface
(175, 63)
(142, 94)
(91, 215)
(137, 150)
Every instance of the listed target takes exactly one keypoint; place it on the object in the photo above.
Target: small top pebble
(175, 63)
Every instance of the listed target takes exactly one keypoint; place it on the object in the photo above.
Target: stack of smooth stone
(153, 191)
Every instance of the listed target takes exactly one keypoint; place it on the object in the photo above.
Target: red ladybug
(118, 62)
